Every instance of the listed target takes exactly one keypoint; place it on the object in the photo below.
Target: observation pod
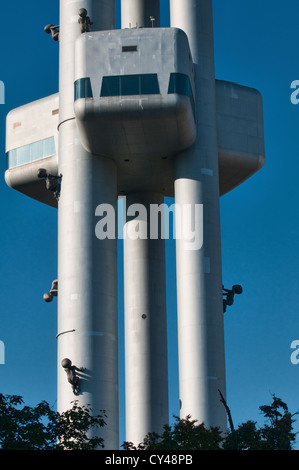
(144, 88)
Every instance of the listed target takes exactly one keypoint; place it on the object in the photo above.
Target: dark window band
(83, 88)
(30, 153)
(180, 83)
(127, 85)
(141, 84)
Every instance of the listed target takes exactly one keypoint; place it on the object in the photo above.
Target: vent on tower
(129, 49)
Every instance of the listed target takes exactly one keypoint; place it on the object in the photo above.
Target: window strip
(30, 153)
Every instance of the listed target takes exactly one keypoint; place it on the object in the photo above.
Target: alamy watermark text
(152, 223)
(2, 93)
(2, 353)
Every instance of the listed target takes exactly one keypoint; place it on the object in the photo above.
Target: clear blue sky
(256, 44)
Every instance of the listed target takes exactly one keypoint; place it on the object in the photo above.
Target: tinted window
(110, 86)
(149, 84)
(128, 85)
(180, 83)
(36, 150)
(83, 88)
(30, 153)
(11, 159)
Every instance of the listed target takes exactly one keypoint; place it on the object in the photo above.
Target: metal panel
(132, 103)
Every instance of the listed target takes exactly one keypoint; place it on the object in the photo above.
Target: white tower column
(145, 322)
(87, 266)
(145, 294)
(138, 13)
(199, 277)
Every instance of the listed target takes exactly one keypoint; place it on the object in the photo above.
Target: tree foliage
(41, 428)
(276, 433)
(186, 434)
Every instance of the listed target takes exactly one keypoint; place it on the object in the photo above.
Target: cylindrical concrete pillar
(145, 319)
(140, 13)
(102, 15)
(87, 266)
(199, 277)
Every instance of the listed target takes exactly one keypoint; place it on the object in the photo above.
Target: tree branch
(231, 424)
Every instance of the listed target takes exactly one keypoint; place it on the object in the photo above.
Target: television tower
(139, 116)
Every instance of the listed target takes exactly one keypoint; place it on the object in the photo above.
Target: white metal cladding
(240, 135)
(127, 123)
